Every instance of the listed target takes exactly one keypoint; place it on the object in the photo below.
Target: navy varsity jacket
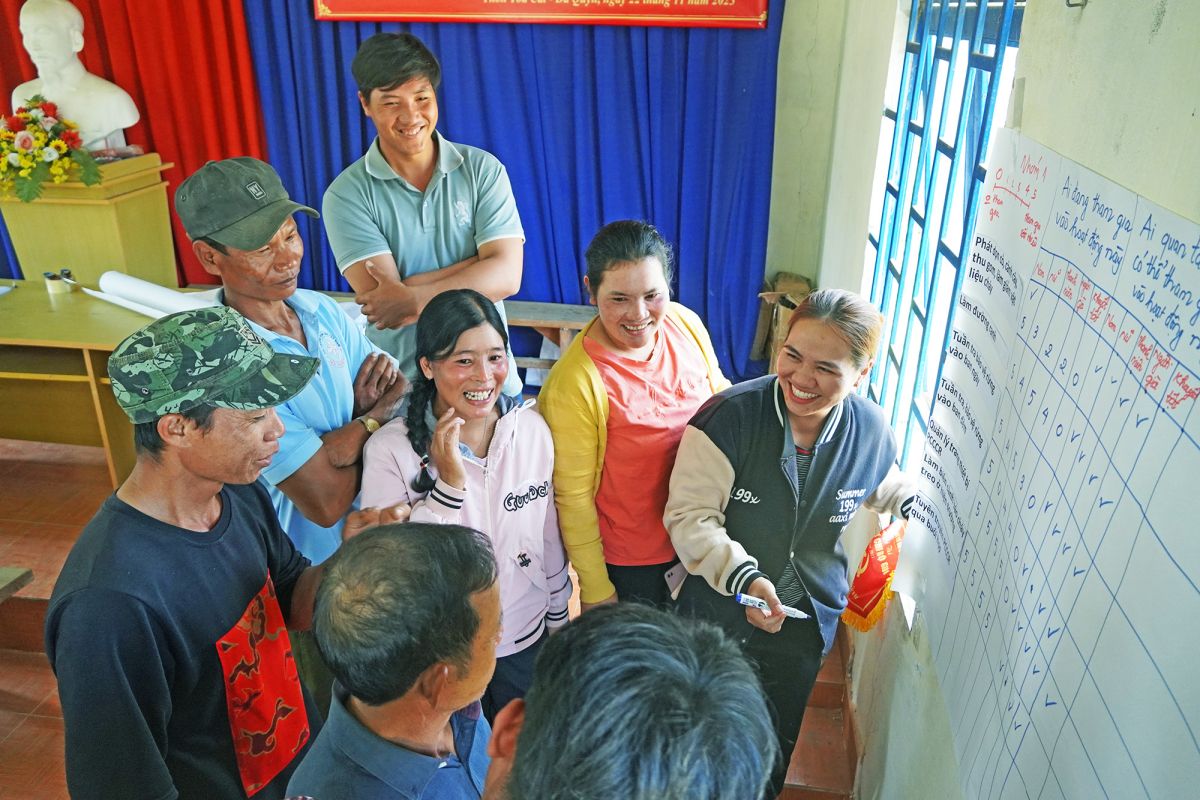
(734, 513)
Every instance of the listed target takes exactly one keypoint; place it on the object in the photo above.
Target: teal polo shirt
(325, 404)
(369, 210)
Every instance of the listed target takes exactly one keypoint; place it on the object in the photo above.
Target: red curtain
(187, 65)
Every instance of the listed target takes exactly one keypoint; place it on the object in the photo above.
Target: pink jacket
(510, 498)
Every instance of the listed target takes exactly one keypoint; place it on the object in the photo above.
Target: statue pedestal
(121, 223)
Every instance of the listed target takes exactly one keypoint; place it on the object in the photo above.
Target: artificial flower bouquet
(36, 145)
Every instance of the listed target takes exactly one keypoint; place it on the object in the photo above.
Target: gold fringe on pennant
(863, 624)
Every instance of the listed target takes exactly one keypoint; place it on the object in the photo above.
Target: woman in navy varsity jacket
(768, 475)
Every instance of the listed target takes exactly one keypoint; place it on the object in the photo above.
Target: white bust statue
(52, 32)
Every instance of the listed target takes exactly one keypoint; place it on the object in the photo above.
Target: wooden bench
(558, 322)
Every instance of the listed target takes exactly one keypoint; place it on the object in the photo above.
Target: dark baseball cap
(206, 356)
(239, 202)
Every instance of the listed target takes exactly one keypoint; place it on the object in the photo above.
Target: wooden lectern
(120, 223)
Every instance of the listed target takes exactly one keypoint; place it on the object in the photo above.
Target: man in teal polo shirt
(239, 218)
(417, 214)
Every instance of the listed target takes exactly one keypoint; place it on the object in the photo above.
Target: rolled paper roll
(145, 293)
(153, 313)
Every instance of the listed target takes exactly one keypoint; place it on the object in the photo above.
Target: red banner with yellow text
(670, 13)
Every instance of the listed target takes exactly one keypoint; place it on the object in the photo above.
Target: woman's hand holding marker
(771, 618)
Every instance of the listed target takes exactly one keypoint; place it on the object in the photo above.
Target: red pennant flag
(872, 586)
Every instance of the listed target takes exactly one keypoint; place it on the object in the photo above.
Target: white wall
(906, 746)
(1114, 86)
(810, 51)
(833, 70)
(875, 36)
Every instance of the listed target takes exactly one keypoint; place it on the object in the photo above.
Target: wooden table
(12, 579)
(54, 352)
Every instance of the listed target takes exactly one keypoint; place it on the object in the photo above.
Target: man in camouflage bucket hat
(167, 627)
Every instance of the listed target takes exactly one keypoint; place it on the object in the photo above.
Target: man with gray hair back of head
(407, 617)
(634, 703)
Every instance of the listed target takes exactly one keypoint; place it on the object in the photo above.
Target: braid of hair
(418, 430)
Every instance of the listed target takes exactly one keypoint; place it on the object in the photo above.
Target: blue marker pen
(755, 602)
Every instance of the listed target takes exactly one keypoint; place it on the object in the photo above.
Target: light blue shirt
(369, 210)
(325, 404)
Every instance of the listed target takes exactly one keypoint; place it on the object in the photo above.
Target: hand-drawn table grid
(1098, 410)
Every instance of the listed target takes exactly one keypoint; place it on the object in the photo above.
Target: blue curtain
(594, 123)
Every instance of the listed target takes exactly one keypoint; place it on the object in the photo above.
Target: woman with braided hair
(464, 453)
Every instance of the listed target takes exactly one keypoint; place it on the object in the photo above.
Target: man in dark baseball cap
(238, 202)
(243, 232)
(167, 629)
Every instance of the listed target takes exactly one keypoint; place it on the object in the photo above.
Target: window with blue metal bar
(957, 69)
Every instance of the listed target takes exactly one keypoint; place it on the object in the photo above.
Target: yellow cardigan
(575, 405)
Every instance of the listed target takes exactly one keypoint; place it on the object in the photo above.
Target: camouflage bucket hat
(207, 356)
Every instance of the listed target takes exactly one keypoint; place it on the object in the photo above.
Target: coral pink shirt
(650, 403)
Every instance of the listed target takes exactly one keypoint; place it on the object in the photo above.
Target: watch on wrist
(370, 423)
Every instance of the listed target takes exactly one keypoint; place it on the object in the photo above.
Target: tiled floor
(47, 494)
(31, 729)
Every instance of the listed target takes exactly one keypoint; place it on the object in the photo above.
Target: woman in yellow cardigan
(617, 403)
